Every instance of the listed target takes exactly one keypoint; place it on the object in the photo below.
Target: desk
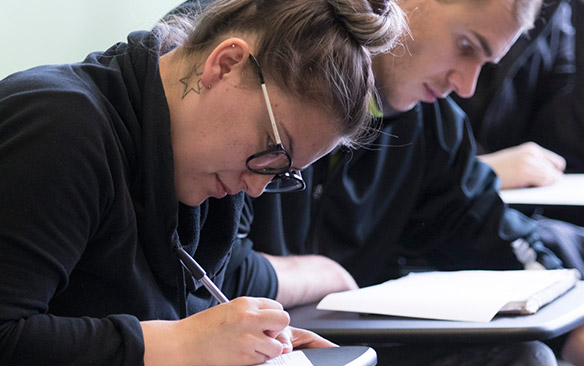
(566, 192)
(354, 355)
(561, 201)
(555, 319)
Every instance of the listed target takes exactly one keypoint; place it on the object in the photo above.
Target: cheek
(236, 152)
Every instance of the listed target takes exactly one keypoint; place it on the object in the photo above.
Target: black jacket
(89, 218)
(417, 193)
(536, 92)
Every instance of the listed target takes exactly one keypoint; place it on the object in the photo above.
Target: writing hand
(296, 338)
(234, 333)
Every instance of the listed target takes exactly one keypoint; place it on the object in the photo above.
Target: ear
(224, 59)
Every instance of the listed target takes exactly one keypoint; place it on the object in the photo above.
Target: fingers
(296, 338)
(526, 165)
(302, 338)
(543, 167)
(242, 331)
(270, 347)
(273, 321)
(265, 317)
(543, 155)
(270, 320)
(556, 160)
(545, 175)
(285, 338)
(260, 302)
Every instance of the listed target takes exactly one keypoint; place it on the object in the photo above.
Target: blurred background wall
(36, 32)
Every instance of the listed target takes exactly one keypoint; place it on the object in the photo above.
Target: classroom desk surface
(353, 355)
(554, 319)
(561, 201)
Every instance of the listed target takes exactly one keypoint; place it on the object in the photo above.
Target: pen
(200, 275)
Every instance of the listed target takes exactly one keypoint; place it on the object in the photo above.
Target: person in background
(112, 165)
(527, 108)
(418, 196)
(527, 115)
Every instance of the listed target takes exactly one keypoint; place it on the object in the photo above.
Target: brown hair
(525, 12)
(317, 50)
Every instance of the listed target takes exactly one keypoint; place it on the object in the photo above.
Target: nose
(255, 183)
(463, 79)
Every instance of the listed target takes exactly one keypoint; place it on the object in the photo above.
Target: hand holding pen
(256, 329)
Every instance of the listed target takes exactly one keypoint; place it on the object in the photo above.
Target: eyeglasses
(275, 160)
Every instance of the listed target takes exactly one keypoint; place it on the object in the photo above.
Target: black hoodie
(89, 220)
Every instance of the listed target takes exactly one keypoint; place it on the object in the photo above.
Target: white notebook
(567, 192)
(457, 295)
(295, 358)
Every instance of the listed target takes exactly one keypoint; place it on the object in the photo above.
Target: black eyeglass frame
(285, 179)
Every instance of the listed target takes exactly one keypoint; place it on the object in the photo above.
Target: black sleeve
(248, 272)
(459, 221)
(46, 221)
(564, 239)
(418, 192)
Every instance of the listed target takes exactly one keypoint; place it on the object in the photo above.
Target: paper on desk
(295, 358)
(474, 296)
(568, 191)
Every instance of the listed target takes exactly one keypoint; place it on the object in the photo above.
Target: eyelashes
(466, 47)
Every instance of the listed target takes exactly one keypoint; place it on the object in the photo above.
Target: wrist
(161, 343)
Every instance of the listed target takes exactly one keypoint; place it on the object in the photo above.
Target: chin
(198, 202)
(404, 107)
(401, 104)
(192, 203)
(193, 200)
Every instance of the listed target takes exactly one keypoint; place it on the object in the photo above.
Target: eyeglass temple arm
(256, 64)
(271, 113)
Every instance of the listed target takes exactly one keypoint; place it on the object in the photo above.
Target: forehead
(492, 22)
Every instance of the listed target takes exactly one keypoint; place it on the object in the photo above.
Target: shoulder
(53, 99)
(53, 121)
(43, 86)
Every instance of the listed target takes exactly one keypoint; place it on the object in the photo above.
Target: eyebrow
(484, 44)
(290, 142)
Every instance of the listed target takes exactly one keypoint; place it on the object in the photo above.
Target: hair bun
(380, 7)
(375, 24)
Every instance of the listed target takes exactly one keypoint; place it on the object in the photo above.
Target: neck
(181, 79)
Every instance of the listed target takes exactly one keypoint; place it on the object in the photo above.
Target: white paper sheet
(568, 191)
(295, 358)
(474, 296)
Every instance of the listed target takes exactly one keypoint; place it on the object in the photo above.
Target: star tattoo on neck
(192, 82)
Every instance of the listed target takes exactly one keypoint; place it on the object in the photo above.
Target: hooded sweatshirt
(89, 220)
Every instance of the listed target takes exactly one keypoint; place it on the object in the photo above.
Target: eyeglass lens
(273, 161)
(286, 182)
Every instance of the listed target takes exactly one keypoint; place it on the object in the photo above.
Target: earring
(232, 46)
(209, 86)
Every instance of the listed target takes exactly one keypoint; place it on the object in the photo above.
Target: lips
(429, 94)
(220, 189)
